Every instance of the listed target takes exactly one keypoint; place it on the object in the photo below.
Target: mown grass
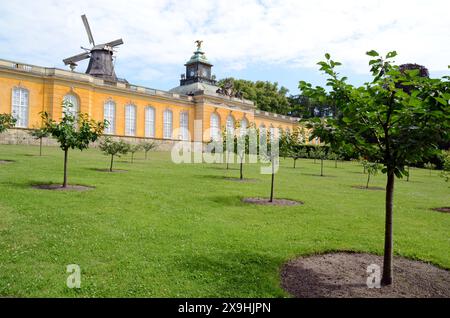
(166, 230)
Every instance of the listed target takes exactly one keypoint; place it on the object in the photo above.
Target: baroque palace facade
(134, 112)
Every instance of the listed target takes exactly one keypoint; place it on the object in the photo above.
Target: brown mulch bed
(58, 187)
(265, 201)
(114, 170)
(343, 275)
(369, 188)
(240, 180)
(445, 209)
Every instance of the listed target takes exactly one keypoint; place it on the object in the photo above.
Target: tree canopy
(266, 95)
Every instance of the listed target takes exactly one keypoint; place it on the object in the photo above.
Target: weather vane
(199, 44)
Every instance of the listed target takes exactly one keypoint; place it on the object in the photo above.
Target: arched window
(262, 131)
(280, 132)
(109, 114)
(167, 124)
(272, 132)
(184, 126)
(20, 105)
(244, 126)
(72, 103)
(215, 127)
(149, 122)
(288, 131)
(230, 124)
(130, 120)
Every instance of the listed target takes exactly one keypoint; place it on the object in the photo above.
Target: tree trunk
(40, 146)
(388, 244)
(295, 160)
(407, 177)
(241, 166)
(368, 180)
(146, 155)
(321, 167)
(66, 151)
(272, 184)
(111, 166)
(132, 157)
(335, 163)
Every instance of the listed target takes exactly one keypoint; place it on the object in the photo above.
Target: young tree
(133, 149)
(385, 123)
(297, 152)
(430, 166)
(334, 156)
(7, 121)
(39, 134)
(446, 167)
(73, 131)
(113, 148)
(272, 155)
(372, 170)
(319, 153)
(148, 146)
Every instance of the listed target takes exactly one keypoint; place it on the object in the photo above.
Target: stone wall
(18, 136)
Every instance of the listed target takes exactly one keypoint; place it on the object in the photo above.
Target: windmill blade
(114, 43)
(76, 58)
(88, 29)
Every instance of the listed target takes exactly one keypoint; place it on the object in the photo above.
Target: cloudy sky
(252, 39)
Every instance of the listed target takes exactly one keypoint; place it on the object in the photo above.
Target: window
(288, 131)
(130, 120)
(280, 132)
(149, 122)
(215, 126)
(184, 125)
(230, 124)
(74, 106)
(272, 133)
(244, 125)
(109, 114)
(167, 124)
(20, 104)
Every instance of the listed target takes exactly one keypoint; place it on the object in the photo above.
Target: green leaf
(327, 56)
(391, 54)
(373, 53)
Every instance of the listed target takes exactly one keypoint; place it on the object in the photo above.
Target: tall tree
(73, 131)
(267, 96)
(384, 122)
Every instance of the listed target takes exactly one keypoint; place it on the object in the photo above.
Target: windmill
(100, 56)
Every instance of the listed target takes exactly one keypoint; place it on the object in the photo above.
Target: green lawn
(166, 230)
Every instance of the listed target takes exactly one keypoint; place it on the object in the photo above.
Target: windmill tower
(100, 56)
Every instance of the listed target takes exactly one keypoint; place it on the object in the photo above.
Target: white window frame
(109, 114)
(184, 126)
(230, 125)
(130, 120)
(243, 130)
(20, 105)
(167, 124)
(150, 116)
(214, 126)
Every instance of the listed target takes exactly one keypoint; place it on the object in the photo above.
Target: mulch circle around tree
(344, 275)
(245, 180)
(3, 162)
(58, 187)
(114, 170)
(369, 188)
(277, 202)
(445, 209)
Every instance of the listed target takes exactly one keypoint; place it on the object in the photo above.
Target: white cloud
(160, 34)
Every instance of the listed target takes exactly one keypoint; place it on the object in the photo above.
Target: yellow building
(134, 112)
